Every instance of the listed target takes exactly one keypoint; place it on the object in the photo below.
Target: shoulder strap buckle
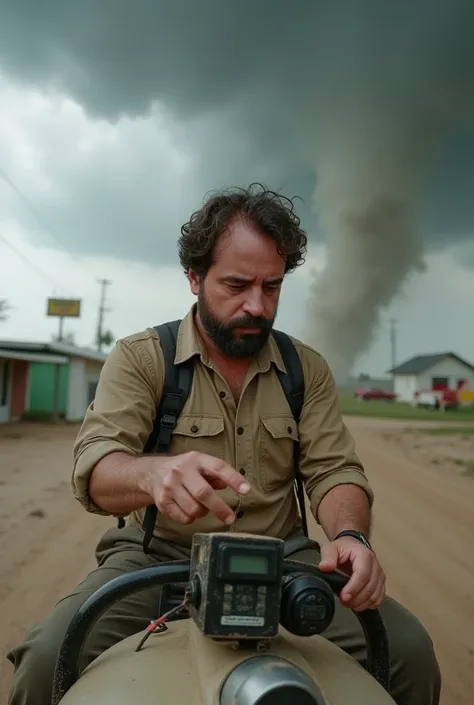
(168, 420)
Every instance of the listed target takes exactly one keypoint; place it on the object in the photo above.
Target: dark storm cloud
(115, 56)
(244, 72)
(365, 109)
(128, 195)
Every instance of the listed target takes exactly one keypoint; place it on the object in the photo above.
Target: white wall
(76, 393)
(93, 370)
(404, 386)
(450, 368)
(82, 374)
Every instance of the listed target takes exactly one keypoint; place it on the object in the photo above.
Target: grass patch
(445, 430)
(399, 410)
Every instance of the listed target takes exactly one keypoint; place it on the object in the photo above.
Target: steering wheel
(67, 665)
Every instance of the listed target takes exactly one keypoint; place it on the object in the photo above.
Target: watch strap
(358, 535)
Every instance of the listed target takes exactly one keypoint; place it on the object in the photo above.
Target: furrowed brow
(235, 279)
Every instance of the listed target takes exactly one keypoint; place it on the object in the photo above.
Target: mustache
(251, 322)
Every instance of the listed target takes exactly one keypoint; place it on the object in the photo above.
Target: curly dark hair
(270, 212)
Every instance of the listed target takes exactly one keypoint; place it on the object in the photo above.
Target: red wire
(157, 623)
(153, 626)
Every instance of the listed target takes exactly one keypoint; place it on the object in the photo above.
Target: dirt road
(424, 529)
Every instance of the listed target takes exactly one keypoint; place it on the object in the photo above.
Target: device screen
(240, 563)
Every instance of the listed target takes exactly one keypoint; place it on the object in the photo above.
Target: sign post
(61, 308)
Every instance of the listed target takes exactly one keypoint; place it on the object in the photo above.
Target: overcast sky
(117, 118)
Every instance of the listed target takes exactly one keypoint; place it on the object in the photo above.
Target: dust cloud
(394, 99)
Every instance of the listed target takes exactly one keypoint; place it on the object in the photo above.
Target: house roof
(54, 348)
(421, 363)
(32, 357)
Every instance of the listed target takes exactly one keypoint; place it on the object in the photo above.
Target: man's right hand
(183, 487)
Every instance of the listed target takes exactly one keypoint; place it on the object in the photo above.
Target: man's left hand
(366, 586)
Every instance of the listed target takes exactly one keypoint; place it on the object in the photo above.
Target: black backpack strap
(292, 382)
(176, 387)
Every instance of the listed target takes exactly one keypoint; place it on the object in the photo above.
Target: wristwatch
(355, 535)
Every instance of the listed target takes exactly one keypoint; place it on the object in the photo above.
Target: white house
(436, 372)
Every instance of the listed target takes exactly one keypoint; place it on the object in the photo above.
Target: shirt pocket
(277, 438)
(204, 434)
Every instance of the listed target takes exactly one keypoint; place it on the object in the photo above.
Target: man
(229, 465)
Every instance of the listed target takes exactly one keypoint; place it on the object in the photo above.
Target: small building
(434, 372)
(15, 380)
(28, 374)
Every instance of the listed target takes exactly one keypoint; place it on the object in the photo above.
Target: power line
(101, 335)
(39, 218)
(31, 264)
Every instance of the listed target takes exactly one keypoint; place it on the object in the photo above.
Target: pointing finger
(219, 470)
(203, 493)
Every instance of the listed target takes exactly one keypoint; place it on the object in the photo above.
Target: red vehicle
(373, 394)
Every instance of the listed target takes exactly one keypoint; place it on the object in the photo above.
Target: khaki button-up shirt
(255, 436)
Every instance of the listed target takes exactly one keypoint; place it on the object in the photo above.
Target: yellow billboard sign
(66, 308)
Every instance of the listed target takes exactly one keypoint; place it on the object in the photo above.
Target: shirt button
(242, 471)
(240, 514)
(222, 395)
(240, 430)
(289, 429)
(194, 428)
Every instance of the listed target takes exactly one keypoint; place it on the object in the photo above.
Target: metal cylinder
(269, 680)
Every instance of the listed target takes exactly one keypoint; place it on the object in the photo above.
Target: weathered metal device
(235, 586)
(252, 636)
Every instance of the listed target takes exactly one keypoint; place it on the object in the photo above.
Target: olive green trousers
(415, 675)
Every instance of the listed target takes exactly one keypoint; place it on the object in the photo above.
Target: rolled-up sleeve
(121, 417)
(327, 449)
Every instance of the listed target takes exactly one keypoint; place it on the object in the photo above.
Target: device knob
(307, 605)
(195, 592)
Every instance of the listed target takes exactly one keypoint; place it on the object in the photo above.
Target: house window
(461, 382)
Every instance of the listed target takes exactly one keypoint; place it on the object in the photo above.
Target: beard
(222, 334)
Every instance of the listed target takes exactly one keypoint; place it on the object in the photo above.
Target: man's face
(238, 298)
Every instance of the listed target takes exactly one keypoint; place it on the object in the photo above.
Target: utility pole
(393, 342)
(104, 283)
